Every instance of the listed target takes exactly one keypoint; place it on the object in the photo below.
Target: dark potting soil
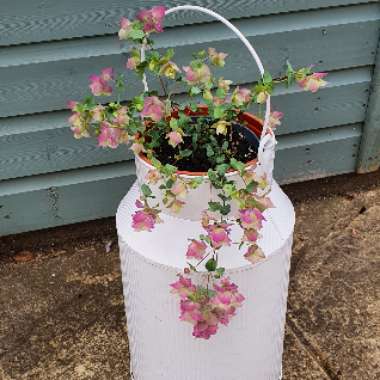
(243, 144)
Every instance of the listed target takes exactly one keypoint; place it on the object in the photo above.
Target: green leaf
(237, 165)
(251, 186)
(229, 188)
(220, 93)
(169, 170)
(222, 196)
(147, 192)
(194, 183)
(225, 209)
(194, 138)
(120, 82)
(202, 54)
(168, 55)
(212, 175)
(156, 163)
(183, 120)
(138, 102)
(205, 238)
(220, 158)
(267, 78)
(194, 90)
(214, 206)
(209, 151)
(219, 272)
(169, 183)
(211, 265)
(186, 153)
(218, 112)
(222, 169)
(173, 123)
(289, 73)
(136, 34)
(289, 66)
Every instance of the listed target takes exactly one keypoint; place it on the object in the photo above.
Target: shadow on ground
(62, 316)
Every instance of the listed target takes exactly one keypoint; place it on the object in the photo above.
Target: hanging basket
(161, 347)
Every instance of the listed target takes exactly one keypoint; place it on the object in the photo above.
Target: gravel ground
(61, 305)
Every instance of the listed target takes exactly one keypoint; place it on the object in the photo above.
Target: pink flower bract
(153, 108)
(313, 82)
(204, 330)
(107, 74)
(205, 310)
(241, 96)
(99, 87)
(254, 254)
(78, 126)
(196, 249)
(251, 235)
(152, 19)
(199, 75)
(275, 119)
(217, 58)
(143, 221)
(219, 235)
(125, 28)
(183, 287)
(132, 63)
(111, 136)
(251, 218)
(175, 138)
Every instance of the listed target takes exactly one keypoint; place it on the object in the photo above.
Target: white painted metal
(161, 346)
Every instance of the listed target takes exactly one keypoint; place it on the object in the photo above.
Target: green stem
(162, 83)
(203, 258)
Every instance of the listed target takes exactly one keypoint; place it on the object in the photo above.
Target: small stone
(23, 256)
(108, 246)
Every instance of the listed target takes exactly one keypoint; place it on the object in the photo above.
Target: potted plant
(196, 160)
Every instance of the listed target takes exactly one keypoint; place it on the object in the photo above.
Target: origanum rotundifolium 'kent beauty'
(153, 118)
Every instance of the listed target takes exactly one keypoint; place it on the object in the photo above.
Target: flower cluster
(206, 308)
(145, 218)
(100, 84)
(198, 135)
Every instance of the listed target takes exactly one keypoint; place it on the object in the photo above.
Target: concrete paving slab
(62, 313)
(334, 303)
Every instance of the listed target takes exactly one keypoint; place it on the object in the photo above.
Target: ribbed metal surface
(162, 347)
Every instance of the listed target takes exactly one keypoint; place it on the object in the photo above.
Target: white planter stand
(161, 346)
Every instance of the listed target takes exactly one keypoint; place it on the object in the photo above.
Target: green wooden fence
(48, 49)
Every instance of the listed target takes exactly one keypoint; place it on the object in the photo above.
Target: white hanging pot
(161, 347)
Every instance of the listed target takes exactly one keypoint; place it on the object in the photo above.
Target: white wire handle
(241, 37)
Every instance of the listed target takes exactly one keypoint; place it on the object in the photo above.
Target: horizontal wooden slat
(317, 154)
(23, 21)
(58, 199)
(73, 196)
(181, 36)
(43, 143)
(334, 39)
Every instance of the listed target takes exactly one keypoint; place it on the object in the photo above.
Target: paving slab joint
(313, 351)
